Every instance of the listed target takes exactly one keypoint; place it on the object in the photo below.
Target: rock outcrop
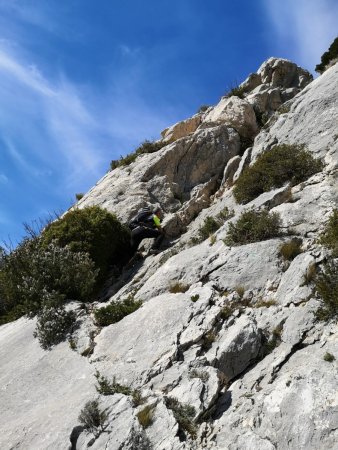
(235, 360)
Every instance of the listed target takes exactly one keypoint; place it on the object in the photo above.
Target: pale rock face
(39, 390)
(187, 169)
(236, 113)
(181, 129)
(234, 351)
(313, 116)
(284, 73)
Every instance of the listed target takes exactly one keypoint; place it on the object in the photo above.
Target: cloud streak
(304, 28)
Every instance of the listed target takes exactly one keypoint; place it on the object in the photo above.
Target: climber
(147, 224)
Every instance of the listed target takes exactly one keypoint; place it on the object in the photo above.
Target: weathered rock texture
(240, 345)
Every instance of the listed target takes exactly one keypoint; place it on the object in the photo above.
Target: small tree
(93, 418)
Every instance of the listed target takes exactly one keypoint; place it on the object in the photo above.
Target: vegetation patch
(273, 168)
(184, 415)
(253, 226)
(328, 357)
(329, 237)
(95, 231)
(93, 418)
(209, 227)
(328, 58)
(264, 303)
(105, 387)
(203, 108)
(116, 311)
(54, 322)
(290, 249)
(146, 416)
(327, 289)
(145, 147)
(178, 287)
(238, 304)
(236, 91)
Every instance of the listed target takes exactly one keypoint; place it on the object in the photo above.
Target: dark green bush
(79, 196)
(203, 108)
(93, 418)
(329, 237)
(273, 168)
(328, 357)
(235, 90)
(327, 288)
(95, 231)
(106, 387)
(328, 57)
(32, 270)
(184, 415)
(145, 147)
(54, 322)
(209, 227)
(116, 311)
(253, 226)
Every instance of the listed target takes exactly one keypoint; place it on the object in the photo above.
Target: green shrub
(328, 57)
(95, 231)
(79, 196)
(92, 418)
(116, 311)
(289, 250)
(145, 147)
(184, 415)
(329, 237)
(54, 322)
(327, 288)
(203, 108)
(273, 168)
(208, 228)
(235, 90)
(253, 226)
(328, 357)
(194, 298)
(225, 214)
(31, 271)
(146, 416)
(105, 387)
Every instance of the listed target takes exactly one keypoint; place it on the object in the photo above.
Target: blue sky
(83, 82)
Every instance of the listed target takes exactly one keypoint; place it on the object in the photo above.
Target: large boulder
(236, 113)
(181, 129)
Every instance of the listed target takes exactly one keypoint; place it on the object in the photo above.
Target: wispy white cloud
(303, 28)
(65, 120)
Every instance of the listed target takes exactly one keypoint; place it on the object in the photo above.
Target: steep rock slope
(241, 344)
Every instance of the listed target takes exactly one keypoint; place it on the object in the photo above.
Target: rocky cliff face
(241, 345)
